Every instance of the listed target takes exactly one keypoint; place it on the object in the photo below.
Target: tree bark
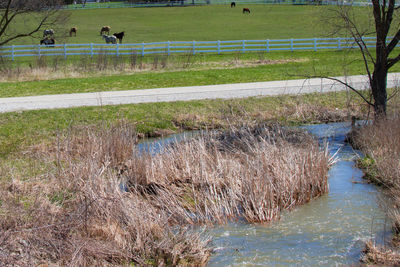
(378, 86)
(379, 77)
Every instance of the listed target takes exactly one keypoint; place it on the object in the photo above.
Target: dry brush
(104, 202)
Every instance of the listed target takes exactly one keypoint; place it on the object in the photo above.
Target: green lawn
(194, 23)
(203, 70)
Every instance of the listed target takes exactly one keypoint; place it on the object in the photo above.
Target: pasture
(192, 23)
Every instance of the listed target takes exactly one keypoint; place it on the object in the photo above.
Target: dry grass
(380, 256)
(105, 65)
(288, 111)
(102, 202)
(380, 142)
(77, 214)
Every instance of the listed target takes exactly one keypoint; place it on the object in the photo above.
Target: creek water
(328, 231)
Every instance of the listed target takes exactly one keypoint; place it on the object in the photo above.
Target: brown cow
(73, 30)
(246, 10)
(105, 29)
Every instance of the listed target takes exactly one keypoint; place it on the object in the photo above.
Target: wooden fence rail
(187, 47)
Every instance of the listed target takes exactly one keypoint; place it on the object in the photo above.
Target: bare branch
(394, 93)
(392, 61)
(39, 13)
(347, 85)
(393, 42)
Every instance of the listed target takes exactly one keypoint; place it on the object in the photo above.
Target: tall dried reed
(104, 202)
(253, 173)
(78, 214)
(380, 142)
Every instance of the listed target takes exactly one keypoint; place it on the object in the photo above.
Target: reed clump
(104, 201)
(249, 172)
(380, 142)
(78, 214)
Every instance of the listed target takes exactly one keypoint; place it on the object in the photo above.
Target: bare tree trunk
(379, 77)
(378, 86)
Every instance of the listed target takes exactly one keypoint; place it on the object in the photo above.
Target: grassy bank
(76, 212)
(57, 76)
(21, 129)
(380, 142)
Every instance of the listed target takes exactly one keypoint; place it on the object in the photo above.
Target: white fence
(189, 47)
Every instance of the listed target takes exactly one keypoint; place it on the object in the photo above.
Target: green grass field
(202, 70)
(194, 23)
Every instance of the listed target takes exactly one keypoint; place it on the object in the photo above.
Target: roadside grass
(55, 76)
(19, 130)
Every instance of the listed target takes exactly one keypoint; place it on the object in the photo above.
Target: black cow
(119, 36)
(47, 41)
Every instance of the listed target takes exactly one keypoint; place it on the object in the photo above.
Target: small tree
(378, 63)
(24, 18)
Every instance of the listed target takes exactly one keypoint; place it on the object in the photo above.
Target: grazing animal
(73, 30)
(47, 41)
(119, 36)
(246, 10)
(110, 39)
(49, 32)
(105, 29)
(233, 4)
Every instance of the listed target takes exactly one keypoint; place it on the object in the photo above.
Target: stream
(329, 231)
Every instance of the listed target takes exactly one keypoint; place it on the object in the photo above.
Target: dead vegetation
(287, 111)
(380, 142)
(103, 202)
(58, 68)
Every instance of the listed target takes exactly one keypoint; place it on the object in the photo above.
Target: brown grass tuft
(380, 142)
(103, 202)
(379, 256)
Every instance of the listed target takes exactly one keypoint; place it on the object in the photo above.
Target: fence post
(169, 48)
(142, 49)
(117, 47)
(12, 52)
(291, 44)
(267, 44)
(194, 47)
(243, 46)
(39, 50)
(219, 47)
(65, 51)
(315, 44)
(339, 44)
